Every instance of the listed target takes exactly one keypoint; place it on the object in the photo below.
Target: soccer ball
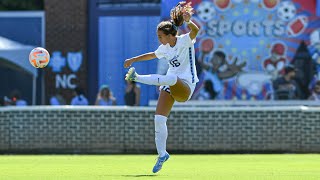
(286, 10)
(206, 11)
(39, 57)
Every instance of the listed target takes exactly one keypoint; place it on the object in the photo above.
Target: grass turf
(284, 167)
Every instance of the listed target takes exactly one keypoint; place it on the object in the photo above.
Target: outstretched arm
(194, 29)
(187, 18)
(142, 57)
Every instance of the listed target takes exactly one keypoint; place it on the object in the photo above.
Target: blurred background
(270, 51)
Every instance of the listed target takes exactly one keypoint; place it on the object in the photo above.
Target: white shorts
(191, 86)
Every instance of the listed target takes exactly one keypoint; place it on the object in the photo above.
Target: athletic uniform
(181, 60)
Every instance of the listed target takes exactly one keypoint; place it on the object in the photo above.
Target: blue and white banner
(259, 39)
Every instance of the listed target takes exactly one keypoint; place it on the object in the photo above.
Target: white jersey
(181, 58)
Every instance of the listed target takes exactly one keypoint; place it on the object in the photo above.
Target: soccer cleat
(131, 74)
(160, 162)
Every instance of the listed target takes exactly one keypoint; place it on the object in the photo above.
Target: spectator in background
(132, 96)
(7, 101)
(79, 98)
(1, 101)
(315, 94)
(105, 97)
(286, 87)
(57, 99)
(16, 99)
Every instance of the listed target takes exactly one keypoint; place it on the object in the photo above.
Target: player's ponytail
(176, 14)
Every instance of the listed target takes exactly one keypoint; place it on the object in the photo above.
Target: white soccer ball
(286, 10)
(206, 11)
(39, 57)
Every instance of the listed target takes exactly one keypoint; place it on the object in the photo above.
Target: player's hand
(127, 63)
(187, 11)
(186, 16)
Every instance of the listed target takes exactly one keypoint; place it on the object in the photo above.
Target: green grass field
(291, 166)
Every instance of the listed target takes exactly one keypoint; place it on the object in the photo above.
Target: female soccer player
(181, 78)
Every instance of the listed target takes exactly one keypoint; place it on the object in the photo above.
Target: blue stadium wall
(26, 30)
(115, 34)
(121, 38)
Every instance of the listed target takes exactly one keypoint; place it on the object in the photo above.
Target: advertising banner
(247, 49)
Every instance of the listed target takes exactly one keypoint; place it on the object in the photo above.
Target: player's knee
(172, 79)
(180, 96)
(180, 99)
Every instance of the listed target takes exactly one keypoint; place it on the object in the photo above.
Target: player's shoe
(160, 162)
(131, 74)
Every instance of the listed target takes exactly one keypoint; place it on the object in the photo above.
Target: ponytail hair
(176, 14)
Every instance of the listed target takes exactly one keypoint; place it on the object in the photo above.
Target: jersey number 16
(175, 63)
